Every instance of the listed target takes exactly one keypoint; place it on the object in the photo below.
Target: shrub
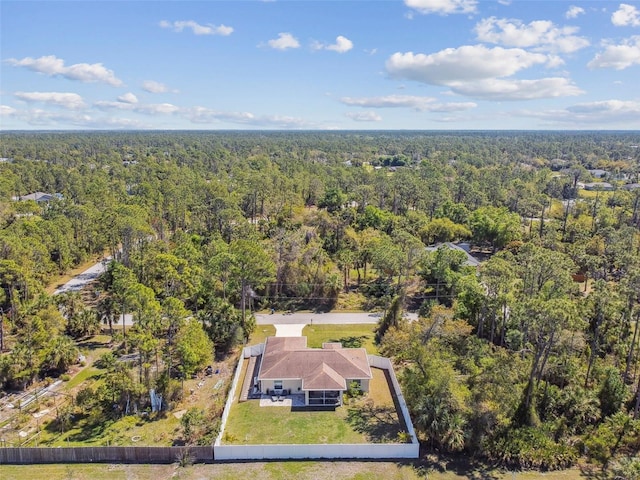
(531, 447)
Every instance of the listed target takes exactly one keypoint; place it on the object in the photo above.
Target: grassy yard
(351, 336)
(442, 470)
(372, 418)
(86, 429)
(603, 195)
(260, 334)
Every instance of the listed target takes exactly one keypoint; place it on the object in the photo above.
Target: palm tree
(107, 310)
(61, 355)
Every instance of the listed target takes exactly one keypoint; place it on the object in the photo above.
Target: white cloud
(574, 11)
(39, 117)
(208, 115)
(390, 101)
(152, 86)
(7, 111)
(542, 34)
(72, 101)
(620, 56)
(506, 90)
(478, 71)
(406, 101)
(196, 28)
(157, 108)
(128, 98)
(284, 41)
(108, 105)
(608, 107)
(203, 115)
(466, 63)
(452, 106)
(626, 16)
(605, 114)
(146, 109)
(342, 45)
(364, 116)
(442, 7)
(84, 72)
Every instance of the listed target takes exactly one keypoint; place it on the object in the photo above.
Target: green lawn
(85, 374)
(441, 470)
(260, 334)
(126, 431)
(350, 336)
(372, 418)
(603, 195)
(251, 424)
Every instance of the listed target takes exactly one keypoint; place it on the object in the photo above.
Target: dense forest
(529, 360)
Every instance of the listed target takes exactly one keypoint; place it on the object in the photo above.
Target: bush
(106, 360)
(65, 377)
(613, 392)
(530, 447)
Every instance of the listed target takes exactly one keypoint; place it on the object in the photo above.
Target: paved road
(331, 318)
(90, 274)
(79, 281)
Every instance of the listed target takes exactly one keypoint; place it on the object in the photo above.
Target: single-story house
(39, 197)
(321, 374)
(631, 186)
(471, 261)
(598, 173)
(604, 186)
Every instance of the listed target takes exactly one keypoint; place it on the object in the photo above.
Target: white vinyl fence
(316, 451)
(385, 363)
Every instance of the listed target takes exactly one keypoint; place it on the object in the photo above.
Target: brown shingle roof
(319, 369)
(324, 378)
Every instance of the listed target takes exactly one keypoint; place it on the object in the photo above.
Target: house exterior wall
(364, 383)
(295, 385)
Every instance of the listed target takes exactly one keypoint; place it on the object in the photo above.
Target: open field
(443, 470)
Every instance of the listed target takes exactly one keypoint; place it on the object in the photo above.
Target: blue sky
(412, 64)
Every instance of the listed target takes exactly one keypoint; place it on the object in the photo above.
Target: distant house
(598, 173)
(631, 186)
(321, 374)
(604, 186)
(471, 261)
(39, 197)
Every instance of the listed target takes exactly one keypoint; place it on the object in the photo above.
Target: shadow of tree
(593, 472)
(84, 429)
(378, 423)
(472, 470)
(351, 342)
(92, 344)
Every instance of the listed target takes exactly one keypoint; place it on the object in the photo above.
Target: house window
(277, 384)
